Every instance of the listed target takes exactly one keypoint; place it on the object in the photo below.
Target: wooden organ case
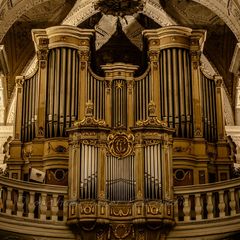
(122, 141)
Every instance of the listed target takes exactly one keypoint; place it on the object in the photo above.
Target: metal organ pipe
(152, 171)
(62, 94)
(96, 94)
(88, 178)
(120, 182)
(208, 88)
(30, 88)
(142, 90)
(175, 88)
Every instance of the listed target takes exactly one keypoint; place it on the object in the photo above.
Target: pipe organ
(175, 90)
(29, 107)
(122, 138)
(62, 94)
(143, 96)
(208, 87)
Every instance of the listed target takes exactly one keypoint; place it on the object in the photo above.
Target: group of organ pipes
(148, 116)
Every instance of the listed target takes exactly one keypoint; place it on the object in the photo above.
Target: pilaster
(18, 117)
(196, 45)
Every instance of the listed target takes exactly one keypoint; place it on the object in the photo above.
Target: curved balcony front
(208, 211)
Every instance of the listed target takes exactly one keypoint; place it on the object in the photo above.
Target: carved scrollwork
(120, 144)
(84, 55)
(154, 208)
(121, 211)
(90, 121)
(57, 149)
(87, 209)
(122, 231)
(149, 142)
(179, 149)
(92, 142)
(19, 81)
(151, 121)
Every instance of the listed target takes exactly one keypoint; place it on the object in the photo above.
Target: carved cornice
(90, 122)
(151, 122)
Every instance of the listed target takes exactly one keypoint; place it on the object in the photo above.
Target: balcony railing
(33, 200)
(207, 201)
(215, 207)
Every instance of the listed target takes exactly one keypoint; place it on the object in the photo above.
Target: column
(154, 61)
(18, 117)
(84, 57)
(196, 45)
(42, 54)
(219, 108)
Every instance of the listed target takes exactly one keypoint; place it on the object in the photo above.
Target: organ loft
(118, 129)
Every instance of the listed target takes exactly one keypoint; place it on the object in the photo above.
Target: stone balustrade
(33, 200)
(207, 201)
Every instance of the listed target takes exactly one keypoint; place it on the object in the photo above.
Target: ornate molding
(120, 144)
(121, 211)
(151, 122)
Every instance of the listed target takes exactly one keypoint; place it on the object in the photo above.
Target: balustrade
(32, 200)
(207, 201)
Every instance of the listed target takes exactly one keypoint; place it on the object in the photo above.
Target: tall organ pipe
(63, 78)
(119, 103)
(142, 97)
(175, 90)
(29, 110)
(120, 182)
(152, 171)
(208, 88)
(96, 94)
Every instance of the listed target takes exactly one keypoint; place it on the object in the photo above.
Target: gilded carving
(120, 144)
(121, 211)
(87, 209)
(19, 81)
(40, 131)
(43, 43)
(130, 87)
(155, 42)
(219, 82)
(90, 121)
(154, 208)
(122, 230)
(83, 65)
(179, 149)
(149, 142)
(151, 121)
(198, 132)
(84, 55)
(153, 56)
(57, 149)
(89, 142)
(26, 154)
(195, 58)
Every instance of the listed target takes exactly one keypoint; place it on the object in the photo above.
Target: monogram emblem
(121, 144)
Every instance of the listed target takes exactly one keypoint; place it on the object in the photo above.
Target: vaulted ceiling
(221, 19)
